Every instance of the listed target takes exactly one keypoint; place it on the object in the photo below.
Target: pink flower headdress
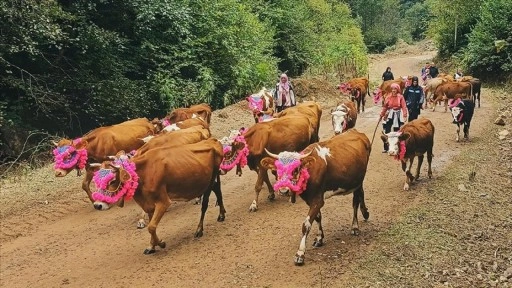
(68, 157)
(103, 177)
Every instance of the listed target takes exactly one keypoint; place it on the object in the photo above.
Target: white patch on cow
(147, 138)
(338, 118)
(194, 115)
(171, 128)
(340, 191)
(455, 113)
(323, 152)
(302, 246)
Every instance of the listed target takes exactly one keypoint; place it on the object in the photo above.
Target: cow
(163, 126)
(451, 90)
(431, 85)
(344, 117)
(159, 176)
(358, 89)
(476, 85)
(288, 133)
(462, 113)
(97, 145)
(413, 139)
(333, 167)
(262, 105)
(203, 111)
(385, 88)
(312, 110)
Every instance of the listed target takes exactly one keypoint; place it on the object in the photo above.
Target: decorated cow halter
(103, 177)
(377, 95)
(256, 104)
(68, 157)
(237, 157)
(401, 151)
(285, 165)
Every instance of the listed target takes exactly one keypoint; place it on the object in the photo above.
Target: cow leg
(319, 240)
(362, 204)
(220, 202)
(314, 210)
(458, 132)
(445, 105)
(429, 161)
(204, 207)
(408, 175)
(155, 217)
(257, 189)
(271, 194)
(86, 183)
(420, 162)
(142, 222)
(466, 131)
(363, 100)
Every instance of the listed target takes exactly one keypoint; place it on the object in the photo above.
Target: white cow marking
(323, 152)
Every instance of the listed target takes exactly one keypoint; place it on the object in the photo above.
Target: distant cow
(385, 88)
(334, 167)
(344, 117)
(358, 89)
(451, 90)
(97, 145)
(476, 85)
(203, 111)
(413, 139)
(288, 133)
(262, 105)
(159, 176)
(164, 126)
(462, 112)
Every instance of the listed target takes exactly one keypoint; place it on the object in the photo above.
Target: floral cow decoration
(258, 104)
(71, 156)
(235, 152)
(291, 175)
(104, 178)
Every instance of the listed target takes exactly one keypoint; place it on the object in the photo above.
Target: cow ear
(238, 145)
(81, 145)
(268, 163)
(404, 136)
(307, 161)
(124, 175)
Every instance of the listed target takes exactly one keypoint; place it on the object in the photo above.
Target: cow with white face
(344, 117)
(333, 167)
(413, 139)
(462, 113)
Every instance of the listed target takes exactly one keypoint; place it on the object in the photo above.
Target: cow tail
(368, 86)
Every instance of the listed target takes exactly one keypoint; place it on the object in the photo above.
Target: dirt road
(51, 236)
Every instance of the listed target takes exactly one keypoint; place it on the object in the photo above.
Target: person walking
(283, 94)
(394, 112)
(387, 75)
(414, 99)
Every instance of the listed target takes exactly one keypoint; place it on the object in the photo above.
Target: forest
(67, 67)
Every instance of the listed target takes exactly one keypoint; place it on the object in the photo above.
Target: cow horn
(112, 157)
(114, 166)
(305, 155)
(95, 165)
(55, 143)
(272, 154)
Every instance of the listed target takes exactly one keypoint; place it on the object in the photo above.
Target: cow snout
(284, 191)
(100, 205)
(60, 173)
(337, 132)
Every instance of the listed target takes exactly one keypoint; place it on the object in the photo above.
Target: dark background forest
(67, 67)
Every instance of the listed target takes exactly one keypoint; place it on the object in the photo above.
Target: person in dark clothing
(433, 70)
(414, 99)
(387, 75)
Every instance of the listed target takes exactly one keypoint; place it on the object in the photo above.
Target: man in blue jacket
(414, 98)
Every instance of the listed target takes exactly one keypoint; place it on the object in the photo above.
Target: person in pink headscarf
(283, 94)
(394, 112)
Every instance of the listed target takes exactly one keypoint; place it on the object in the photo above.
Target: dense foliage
(69, 66)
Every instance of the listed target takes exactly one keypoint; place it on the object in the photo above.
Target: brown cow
(97, 145)
(203, 111)
(385, 88)
(344, 117)
(413, 139)
(476, 85)
(162, 175)
(312, 110)
(334, 167)
(289, 133)
(358, 89)
(262, 105)
(451, 90)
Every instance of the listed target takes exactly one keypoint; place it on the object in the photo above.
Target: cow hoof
(299, 260)
(161, 244)
(429, 175)
(198, 234)
(148, 251)
(141, 224)
(271, 197)
(221, 218)
(366, 215)
(406, 187)
(355, 232)
(318, 243)
(253, 208)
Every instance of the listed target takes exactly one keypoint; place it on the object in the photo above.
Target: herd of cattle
(176, 159)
